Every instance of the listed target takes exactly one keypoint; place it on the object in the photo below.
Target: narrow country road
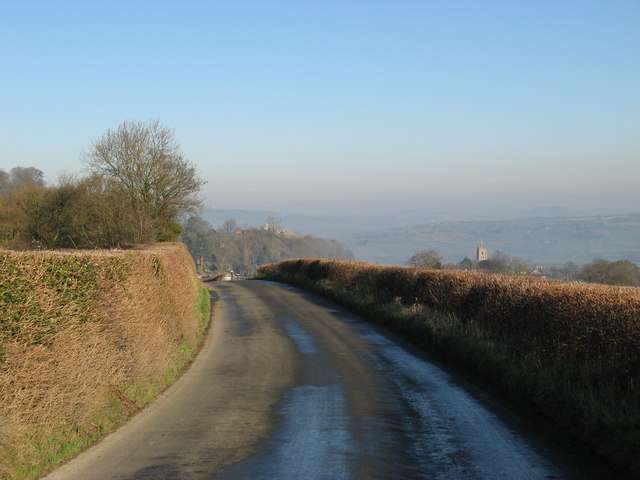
(290, 386)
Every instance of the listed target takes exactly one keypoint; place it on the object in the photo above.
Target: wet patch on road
(312, 442)
(313, 439)
(304, 342)
(454, 436)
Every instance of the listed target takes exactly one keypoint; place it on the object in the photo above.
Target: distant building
(539, 272)
(272, 227)
(483, 253)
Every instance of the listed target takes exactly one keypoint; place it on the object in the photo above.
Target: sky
(340, 105)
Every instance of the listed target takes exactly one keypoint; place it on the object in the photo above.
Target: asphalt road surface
(290, 386)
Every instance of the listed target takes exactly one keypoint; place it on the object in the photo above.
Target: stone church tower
(482, 253)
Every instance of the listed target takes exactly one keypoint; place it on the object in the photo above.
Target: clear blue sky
(340, 104)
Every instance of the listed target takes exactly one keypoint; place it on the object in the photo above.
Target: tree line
(619, 272)
(241, 249)
(136, 189)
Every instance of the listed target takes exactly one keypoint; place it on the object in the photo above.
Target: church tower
(482, 253)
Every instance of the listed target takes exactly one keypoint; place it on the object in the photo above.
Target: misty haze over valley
(549, 236)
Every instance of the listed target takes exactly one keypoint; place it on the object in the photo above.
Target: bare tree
(145, 159)
(620, 272)
(230, 226)
(20, 176)
(4, 182)
(569, 270)
(466, 264)
(27, 175)
(504, 264)
(426, 258)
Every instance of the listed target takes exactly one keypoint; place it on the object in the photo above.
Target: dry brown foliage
(578, 321)
(141, 307)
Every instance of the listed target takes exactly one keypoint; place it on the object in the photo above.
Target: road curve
(290, 386)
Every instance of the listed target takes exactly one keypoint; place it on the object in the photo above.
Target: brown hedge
(580, 321)
(76, 327)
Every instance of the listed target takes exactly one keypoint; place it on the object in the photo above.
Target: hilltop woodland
(137, 188)
(242, 249)
(619, 272)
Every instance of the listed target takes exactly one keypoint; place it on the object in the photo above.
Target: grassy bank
(87, 338)
(569, 352)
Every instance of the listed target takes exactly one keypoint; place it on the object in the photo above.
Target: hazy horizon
(358, 106)
(466, 208)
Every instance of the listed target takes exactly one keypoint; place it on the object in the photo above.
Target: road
(290, 386)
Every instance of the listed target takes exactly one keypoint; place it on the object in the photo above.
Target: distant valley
(391, 238)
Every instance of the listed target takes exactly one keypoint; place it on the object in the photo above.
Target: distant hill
(543, 241)
(542, 236)
(328, 225)
(243, 248)
(553, 211)
(253, 218)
